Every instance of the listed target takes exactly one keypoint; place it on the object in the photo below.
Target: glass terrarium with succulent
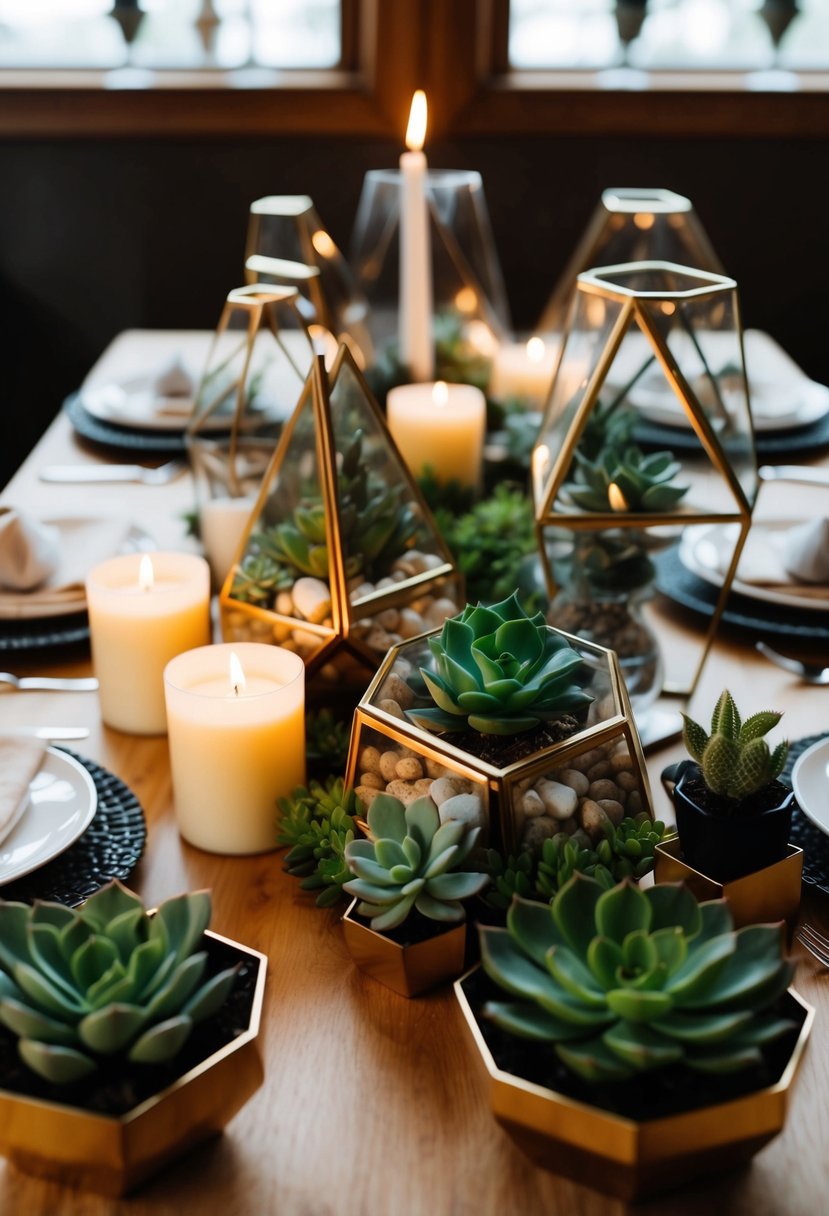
(526, 729)
(341, 558)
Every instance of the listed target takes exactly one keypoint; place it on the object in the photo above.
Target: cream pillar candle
(415, 303)
(236, 717)
(440, 426)
(143, 610)
(524, 372)
(221, 524)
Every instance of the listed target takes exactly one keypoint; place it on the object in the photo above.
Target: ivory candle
(415, 302)
(440, 426)
(236, 717)
(221, 524)
(524, 372)
(142, 612)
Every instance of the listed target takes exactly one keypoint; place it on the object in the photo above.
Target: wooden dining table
(374, 1105)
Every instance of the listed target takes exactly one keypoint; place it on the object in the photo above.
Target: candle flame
(535, 350)
(323, 244)
(416, 130)
(146, 577)
(237, 675)
(440, 393)
(616, 498)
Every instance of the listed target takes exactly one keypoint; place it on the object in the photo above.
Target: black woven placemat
(771, 445)
(44, 633)
(122, 438)
(813, 842)
(111, 847)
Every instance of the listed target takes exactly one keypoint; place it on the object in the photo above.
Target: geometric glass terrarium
(632, 225)
(340, 557)
(651, 349)
(520, 792)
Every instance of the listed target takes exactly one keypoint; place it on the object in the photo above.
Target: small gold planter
(627, 1158)
(113, 1154)
(408, 970)
(770, 894)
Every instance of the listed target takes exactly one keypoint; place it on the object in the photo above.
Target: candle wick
(237, 689)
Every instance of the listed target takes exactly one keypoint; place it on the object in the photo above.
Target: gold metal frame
(407, 970)
(623, 1157)
(547, 483)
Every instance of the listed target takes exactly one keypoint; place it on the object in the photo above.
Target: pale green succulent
(625, 479)
(623, 981)
(411, 862)
(735, 759)
(105, 979)
(499, 671)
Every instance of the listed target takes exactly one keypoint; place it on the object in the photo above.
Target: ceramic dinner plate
(61, 804)
(133, 402)
(705, 550)
(810, 781)
(795, 404)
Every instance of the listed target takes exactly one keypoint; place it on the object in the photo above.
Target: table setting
(356, 744)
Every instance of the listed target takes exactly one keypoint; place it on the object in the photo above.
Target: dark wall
(96, 237)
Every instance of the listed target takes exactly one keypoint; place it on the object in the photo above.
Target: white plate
(62, 803)
(810, 781)
(134, 403)
(796, 404)
(705, 550)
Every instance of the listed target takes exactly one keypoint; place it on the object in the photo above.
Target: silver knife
(48, 683)
(794, 472)
(45, 732)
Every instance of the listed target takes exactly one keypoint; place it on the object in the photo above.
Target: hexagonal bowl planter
(626, 1157)
(42, 1133)
(409, 969)
(530, 785)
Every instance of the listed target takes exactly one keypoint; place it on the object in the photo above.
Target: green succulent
(603, 562)
(735, 759)
(499, 671)
(105, 979)
(491, 543)
(411, 862)
(318, 824)
(626, 851)
(326, 739)
(258, 579)
(513, 876)
(623, 981)
(624, 479)
(609, 426)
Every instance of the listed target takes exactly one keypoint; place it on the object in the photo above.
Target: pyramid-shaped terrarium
(645, 465)
(505, 722)
(341, 558)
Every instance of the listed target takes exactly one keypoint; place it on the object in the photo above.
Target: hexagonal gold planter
(628, 1158)
(112, 1155)
(407, 970)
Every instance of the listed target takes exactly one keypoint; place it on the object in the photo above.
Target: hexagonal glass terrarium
(646, 453)
(341, 557)
(577, 770)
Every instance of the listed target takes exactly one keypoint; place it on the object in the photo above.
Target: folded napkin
(174, 390)
(28, 551)
(795, 557)
(20, 759)
(79, 544)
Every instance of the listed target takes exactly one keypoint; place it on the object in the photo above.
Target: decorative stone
(285, 603)
(441, 789)
(389, 618)
(366, 794)
(603, 789)
(312, 599)
(593, 819)
(560, 801)
(379, 640)
(614, 810)
(626, 781)
(409, 769)
(621, 762)
(404, 790)
(531, 804)
(576, 780)
(372, 780)
(539, 830)
(602, 769)
(388, 765)
(398, 690)
(393, 708)
(410, 623)
(464, 808)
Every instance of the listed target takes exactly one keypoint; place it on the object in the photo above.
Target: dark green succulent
(627, 851)
(600, 563)
(491, 544)
(259, 579)
(735, 759)
(317, 824)
(624, 981)
(80, 985)
(624, 479)
(411, 862)
(610, 425)
(513, 876)
(499, 671)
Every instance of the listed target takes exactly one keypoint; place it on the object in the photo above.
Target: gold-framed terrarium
(646, 451)
(256, 368)
(632, 224)
(578, 772)
(340, 558)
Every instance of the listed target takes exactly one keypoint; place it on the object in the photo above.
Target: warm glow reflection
(416, 130)
(535, 350)
(644, 221)
(668, 308)
(616, 498)
(595, 311)
(440, 393)
(237, 675)
(466, 300)
(541, 458)
(323, 244)
(146, 578)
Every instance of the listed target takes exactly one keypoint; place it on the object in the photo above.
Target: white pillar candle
(142, 612)
(222, 522)
(440, 426)
(415, 304)
(524, 372)
(237, 742)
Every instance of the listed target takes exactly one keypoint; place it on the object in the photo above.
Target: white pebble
(312, 599)
(441, 789)
(531, 804)
(560, 801)
(285, 603)
(463, 808)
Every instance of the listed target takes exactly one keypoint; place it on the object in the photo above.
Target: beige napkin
(795, 558)
(80, 544)
(20, 759)
(29, 551)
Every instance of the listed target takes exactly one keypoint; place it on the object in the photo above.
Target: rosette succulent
(735, 759)
(499, 671)
(625, 479)
(79, 985)
(623, 981)
(411, 862)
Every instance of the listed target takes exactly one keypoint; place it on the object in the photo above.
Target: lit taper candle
(415, 310)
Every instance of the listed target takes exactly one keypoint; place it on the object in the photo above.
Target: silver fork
(83, 473)
(810, 673)
(815, 943)
(47, 683)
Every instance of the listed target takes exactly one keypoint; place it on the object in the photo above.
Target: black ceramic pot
(725, 847)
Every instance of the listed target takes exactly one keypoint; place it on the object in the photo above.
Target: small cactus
(735, 759)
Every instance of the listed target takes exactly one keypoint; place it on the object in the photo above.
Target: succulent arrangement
(624, 479)
(735, 759)
(624, 981)
(317, 824)
(326, 739)
(411, 862)
(600, 563)
(78, 986)
(499, 671)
